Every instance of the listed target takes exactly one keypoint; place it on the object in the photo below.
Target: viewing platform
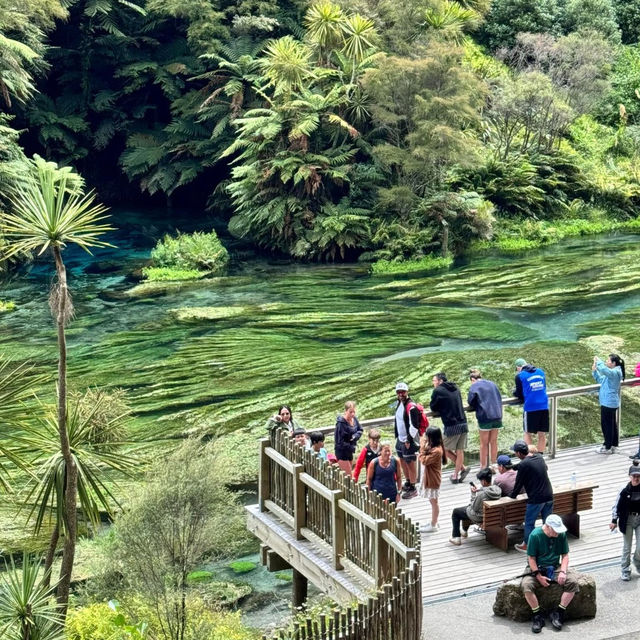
(447, 569)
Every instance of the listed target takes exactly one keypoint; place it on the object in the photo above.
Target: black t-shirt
(634, 505)
(532, 475)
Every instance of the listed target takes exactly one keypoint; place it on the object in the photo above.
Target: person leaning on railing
(609, 375)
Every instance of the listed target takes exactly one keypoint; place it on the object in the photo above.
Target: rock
(103, 266)
(510, 600)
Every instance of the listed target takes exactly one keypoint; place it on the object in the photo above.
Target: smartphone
(473, 484)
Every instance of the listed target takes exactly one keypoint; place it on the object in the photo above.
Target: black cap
(520, 446)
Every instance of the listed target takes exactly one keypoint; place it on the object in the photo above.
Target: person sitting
(548, 561)
(473, 511)
(506, 476)
(317, 444)
(369, 452)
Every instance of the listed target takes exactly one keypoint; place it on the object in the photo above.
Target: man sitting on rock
(548, 561)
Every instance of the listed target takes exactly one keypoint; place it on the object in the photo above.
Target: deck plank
(446, 568)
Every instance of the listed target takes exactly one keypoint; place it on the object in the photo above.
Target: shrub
(192, 252)
(94, 622)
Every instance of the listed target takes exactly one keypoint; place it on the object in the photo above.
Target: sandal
(464, 473)
(454, 480)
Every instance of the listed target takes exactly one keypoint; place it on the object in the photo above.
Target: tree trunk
(51, 554)
(71, 488)
(445, 238)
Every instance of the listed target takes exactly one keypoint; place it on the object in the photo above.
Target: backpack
(424, 420)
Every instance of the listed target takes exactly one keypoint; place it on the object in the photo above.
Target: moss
(6, 306)
(242, 566)
(163, 274)
(285, 577)
(199, 576)
(428, 263)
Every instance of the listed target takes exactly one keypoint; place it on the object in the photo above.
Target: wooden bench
(567, 501)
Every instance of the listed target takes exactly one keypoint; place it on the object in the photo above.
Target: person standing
(370, 451)
(283, 418)
(626, 517)
(383, 475)
(432, 457)
(547, 560)
(609, 375)
(406, 429)
(485, 399)
(447, 402)
(346, 435)
(532, 474)
(531, 389)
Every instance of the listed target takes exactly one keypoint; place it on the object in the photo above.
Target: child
(368, 453)
(432, 456)
(626, 515)
(317, 444)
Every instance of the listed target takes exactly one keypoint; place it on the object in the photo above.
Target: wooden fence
(363, 534)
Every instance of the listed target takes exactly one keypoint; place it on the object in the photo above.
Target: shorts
(455, 443)
(487, 426)
(431, 494)
(534, 421)
(344, 454)
(530, 583)
(410, 454)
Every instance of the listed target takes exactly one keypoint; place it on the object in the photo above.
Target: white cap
(402, 386)
(555, 522)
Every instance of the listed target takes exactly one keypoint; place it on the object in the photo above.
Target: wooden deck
(448, 569)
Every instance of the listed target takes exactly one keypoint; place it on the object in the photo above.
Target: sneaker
(406, 486)
(635, 456)
(522, 547)
(537, 622)
(626, 576)
(429, 528)
(455, 541)
(602, 449)
(464, 473)
(412, 492)
(614, 449)
(557, 619)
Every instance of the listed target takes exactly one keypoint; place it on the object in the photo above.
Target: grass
(164, 274)
(428, 263)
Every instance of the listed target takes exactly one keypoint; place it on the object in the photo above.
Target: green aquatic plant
(199, 576)
(188, 252)
(7, 305)
(162, 274)
(428, 263)
(242, 566)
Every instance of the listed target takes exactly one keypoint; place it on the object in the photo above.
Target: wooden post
(264, 478)
(553, 426)
(299, 502)
(380, 560)
(337, 528)
(299, 587)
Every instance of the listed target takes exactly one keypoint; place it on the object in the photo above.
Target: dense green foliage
(330, 130)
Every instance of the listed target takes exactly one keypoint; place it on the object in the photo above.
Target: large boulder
(510, 601)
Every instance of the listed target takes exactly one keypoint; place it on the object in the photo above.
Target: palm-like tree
(50, 211)
(94, 458)
(451, 20)
(27, 610)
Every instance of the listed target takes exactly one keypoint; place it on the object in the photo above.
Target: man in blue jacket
(531, 389)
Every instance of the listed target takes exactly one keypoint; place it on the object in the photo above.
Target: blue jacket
(609, 381)
(346, 436)
(531, 388)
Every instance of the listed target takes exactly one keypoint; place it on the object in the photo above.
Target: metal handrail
(553, 395)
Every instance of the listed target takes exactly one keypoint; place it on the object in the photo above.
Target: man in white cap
(406, 427)
(548, 561)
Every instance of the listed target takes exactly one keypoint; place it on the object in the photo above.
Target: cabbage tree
(49, 211)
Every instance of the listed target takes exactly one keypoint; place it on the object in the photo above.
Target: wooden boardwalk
(448, 569)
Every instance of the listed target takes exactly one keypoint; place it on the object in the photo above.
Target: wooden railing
(362, 534)
(554, 398)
